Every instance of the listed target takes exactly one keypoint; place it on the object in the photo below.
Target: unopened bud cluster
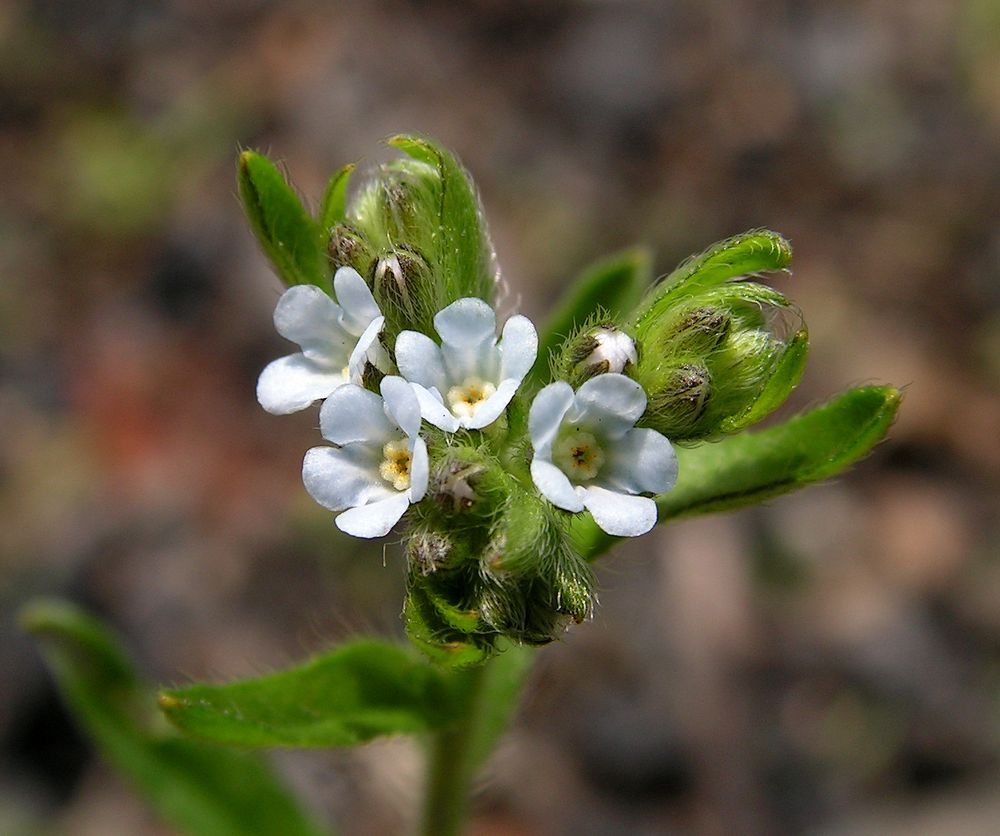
(435, 418)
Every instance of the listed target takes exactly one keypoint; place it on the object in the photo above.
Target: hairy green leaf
(783, 380)
(333, 206)
(752, 467)
(289, 236)
(199, 789)
(352, 694)
(757, 251)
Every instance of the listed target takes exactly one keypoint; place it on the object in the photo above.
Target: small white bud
(614, 347)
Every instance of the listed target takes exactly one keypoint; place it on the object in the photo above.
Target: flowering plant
(510, 463)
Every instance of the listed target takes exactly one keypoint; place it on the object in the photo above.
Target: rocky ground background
(827, 664)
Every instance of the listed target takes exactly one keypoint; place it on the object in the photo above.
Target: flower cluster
(503, 454)
(587, 452)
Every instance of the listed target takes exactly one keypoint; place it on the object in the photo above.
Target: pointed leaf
(752, 467)
(353, 694)
(779, 386)
(759, 250)
(333, 206)
(613, 285)
(200, 789)
(285, 231)
(465, 255)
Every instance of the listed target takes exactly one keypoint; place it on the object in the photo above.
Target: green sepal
(197, 788)
(287, 233)
(355, 693)
(751, 252)
(749, 468)
(464, 255)
(333, 206)
(446, 646)
(613, 285)
(785, 377)
(456, 618)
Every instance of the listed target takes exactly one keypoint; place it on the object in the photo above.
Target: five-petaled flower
(380, 464)
(336, 339)
(470, 378)
(589, 454)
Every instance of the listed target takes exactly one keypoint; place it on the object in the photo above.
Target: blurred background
(827, 664)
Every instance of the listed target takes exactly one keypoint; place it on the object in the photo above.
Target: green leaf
(199, 789)
(752, 467)
(464, 256)
(287, 233)
(758, 250)
(613, 284)
(333, 206)
(783, 380)
(350, 695)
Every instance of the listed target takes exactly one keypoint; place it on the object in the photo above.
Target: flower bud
(710, 341)
(595, 349)
(348, 247)
(400, 279)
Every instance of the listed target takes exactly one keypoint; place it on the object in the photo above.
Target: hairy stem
(452, 760)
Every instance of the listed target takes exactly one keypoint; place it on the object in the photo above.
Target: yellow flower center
(466, 399)
(578, 455)
(395, 467)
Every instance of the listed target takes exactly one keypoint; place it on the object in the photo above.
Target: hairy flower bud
(400, 280)
(712, 342)
(348, 247)
(595, 349)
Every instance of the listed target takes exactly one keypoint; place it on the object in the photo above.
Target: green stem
(452, 760)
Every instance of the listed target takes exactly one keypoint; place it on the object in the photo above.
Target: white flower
(589, 454)
(470, 378)
(613, 347)
(380, 465)
(336, 341)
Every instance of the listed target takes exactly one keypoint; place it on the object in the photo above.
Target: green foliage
(464, 255)
(333, 206)
(749, 468)
(713, 352)
(199, 789)
(289, 236)
(355, 693)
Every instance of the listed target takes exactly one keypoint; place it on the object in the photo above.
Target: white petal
(618, 513)
(307, 316)
(433, 410)
(359, 306)
(376, 519)
(466, 323)
(354, 414)
(368, 350)
(419, 470)
(339, 478)
(554, 485)
(401, 404)
(518, 348)
(419, 360)
(490, 409)
(609, 404)
(291, 383)
(546, 414)
(642, 460)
